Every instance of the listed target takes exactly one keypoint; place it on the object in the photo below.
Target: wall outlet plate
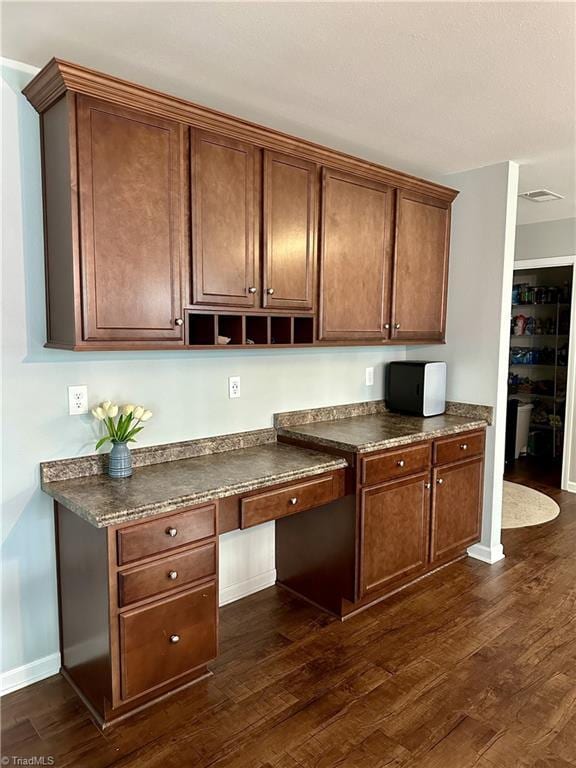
(77, 400)
(369, 377)
(233, 387)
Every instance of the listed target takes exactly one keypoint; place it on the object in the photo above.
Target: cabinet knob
(464, 446)
(270, 291)
(179, 321)
(427, 486)
(173, 575)
(294, 500)
(252, 289)
(386, 326)
(440, 481)
(174, 638)
(171, 532)
(396, 326)
(401, 463)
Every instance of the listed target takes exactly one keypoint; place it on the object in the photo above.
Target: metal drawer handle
(252, 289)
(427, 486)
(386, 326)
(270, 291)
(401, 463)
(174, 638)
(171, 532)
(173, 575)
(464, 446)
(440, 481)
(396, 326)
(294, 500)
(179, 321)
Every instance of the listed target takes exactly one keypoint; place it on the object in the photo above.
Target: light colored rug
(523, 506)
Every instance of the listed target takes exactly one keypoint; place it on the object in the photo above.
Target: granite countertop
(171, 485)
(377, 431)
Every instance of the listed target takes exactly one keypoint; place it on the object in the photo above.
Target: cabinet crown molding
(59, 76)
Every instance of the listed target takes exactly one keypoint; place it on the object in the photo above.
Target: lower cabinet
(395, 522)
(456, 507)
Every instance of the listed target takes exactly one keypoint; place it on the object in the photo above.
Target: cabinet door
(224, 221)
(290, 194)
(456, 508)
(420, 268)
(133, 189)
(356, 257)
(395, 529)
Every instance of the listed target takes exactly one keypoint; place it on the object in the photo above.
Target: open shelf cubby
(202, 330)
(303, 330)
(281, 330)
(230, 327)
(225, 329)
(257, 329)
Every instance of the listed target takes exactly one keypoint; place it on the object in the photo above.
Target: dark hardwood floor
(474, 667)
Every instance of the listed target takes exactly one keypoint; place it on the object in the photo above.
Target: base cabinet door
(355, 258)
(224, 221)
(456, 508)
(132, 190)
(420, 268)
(395, 530)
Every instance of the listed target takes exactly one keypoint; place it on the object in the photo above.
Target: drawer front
(169, 573)
(463, 446)
(167, 639)
(286, 501)
(158, 536)
(397, 463)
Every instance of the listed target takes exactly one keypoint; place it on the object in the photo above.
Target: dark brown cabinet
(456, 507)
(289, 221)
(160, 216)
(356, 257)
(131, 182)
(224, 221)
(395, 524)
(420, 268)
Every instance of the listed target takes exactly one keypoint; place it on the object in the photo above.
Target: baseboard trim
(248, 587)
(571, 486)
(489, 555)
(20, 677)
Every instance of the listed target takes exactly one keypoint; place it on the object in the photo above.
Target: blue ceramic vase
(120, 460)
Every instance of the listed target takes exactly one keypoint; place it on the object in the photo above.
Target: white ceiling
(431, 88)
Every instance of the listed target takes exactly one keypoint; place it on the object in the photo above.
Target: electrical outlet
(369, 377)
(233, 387)
(78, 400)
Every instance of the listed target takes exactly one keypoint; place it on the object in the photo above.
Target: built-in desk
(138, 558)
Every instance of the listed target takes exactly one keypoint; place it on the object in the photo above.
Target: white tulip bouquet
(122, 422)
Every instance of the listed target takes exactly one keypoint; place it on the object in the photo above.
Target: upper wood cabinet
(420, 268)
(131, 180)
(224, 221)
(355, 257)
(289, 233)
(157, 209)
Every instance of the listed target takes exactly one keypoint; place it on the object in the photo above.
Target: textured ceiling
(430, 88)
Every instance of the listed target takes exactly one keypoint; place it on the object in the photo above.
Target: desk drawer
(158, 536)
(394, 464)
(286, 501)
(167, 639)
(166, 574)
(464, 446)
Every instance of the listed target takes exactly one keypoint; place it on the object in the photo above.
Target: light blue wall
(186, 390)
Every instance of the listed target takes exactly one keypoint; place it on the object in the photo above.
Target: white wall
(186, 390)
(478, 329)
(546, 239)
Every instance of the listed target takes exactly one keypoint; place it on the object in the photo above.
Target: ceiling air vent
(541, 196)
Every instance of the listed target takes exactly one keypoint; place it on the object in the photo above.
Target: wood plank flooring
(475, 666)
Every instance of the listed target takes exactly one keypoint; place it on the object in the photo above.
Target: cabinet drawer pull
(427, 486)
(401, 463)
(174, 638)
(464, 446)
(252, 289)
(173, 575)
(179, 321)
(386, 326)
(440, 481)
(294, 500)
(171, 532)
(270, 291)
(396, 326)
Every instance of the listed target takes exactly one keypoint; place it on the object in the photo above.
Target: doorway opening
(540, 409)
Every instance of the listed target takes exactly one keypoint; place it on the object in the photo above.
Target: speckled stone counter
(379, 429)
(171, 485)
